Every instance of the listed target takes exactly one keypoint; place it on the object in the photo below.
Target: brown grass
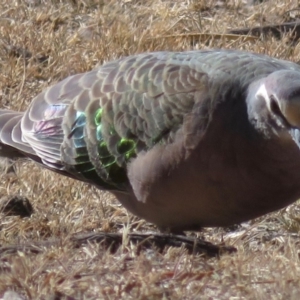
(44, 41)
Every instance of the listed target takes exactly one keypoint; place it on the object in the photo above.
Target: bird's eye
(274, 107)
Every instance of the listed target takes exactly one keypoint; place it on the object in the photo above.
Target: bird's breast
(219, 186)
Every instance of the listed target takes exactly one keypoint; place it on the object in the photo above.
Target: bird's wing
(92, 124)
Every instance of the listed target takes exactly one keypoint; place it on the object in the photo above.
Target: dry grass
(45, 41)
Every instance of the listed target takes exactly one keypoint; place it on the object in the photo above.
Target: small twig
(276, 30)
(146, 240)
(114, 240)
(205, 36)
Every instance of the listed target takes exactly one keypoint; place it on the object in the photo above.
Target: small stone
(16, 206)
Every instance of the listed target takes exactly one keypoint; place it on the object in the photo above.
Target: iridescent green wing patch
(127, 148)
(113, 163)
(77, 155)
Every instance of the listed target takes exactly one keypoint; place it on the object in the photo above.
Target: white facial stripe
(262, 92)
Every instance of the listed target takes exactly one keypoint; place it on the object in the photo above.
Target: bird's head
(281, 92)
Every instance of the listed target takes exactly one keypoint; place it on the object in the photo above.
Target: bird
(184, 140)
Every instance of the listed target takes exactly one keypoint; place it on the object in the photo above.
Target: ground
(41, 43)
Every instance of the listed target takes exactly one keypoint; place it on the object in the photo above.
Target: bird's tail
(12, 144)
